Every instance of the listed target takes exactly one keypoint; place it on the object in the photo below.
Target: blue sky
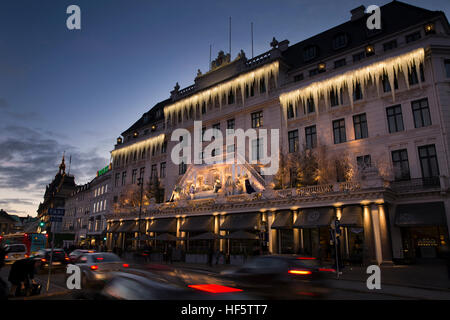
(78, 90)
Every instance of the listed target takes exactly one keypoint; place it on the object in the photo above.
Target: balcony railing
(314, 190)
(416, 184)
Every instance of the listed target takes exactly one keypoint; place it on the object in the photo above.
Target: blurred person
(3, 284)
(21, 276)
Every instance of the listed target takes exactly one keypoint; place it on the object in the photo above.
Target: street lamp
(141, 184)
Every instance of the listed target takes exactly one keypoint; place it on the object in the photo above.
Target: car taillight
(214, 288)
(94, 267)
(302, 272)
(125, 265)
(44, 260)
(6, 257)
(67, 259)
(26, 256)
(327, 270)
(306, 258)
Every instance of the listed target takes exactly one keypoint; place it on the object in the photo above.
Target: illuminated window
(293, 141)
(257, 119)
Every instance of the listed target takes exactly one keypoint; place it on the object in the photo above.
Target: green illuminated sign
(103, 171)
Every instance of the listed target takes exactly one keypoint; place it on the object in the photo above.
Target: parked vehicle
(15, 252)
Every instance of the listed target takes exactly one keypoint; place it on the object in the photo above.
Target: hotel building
(363, 118)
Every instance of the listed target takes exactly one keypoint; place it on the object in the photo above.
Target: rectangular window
(412, 75)
(164, 147)
(339, 63)
(182, 167)
(293, 141)
(359, 56)
(230, 124)
(309, 107)
(311, 137)
(428, 161)
(357, 91)
(290, 111)
(390, 45)
(447, 68)
(262, 86)
(231, 148)
(257, 149)
(250, 90)
(298, 77)
(360, 126)
(413, 37)
(133, 176)
(401, 164)
(162, 170)
(395, 118)
(364, 162)
(153, 172)
(387, 84)
(421, 113)
(231, 97)
(257, 119)
(141, 172)
(335, 98)
(124, 177)
(339, 131)
(313, 72)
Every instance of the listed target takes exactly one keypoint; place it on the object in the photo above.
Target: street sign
(56, 212)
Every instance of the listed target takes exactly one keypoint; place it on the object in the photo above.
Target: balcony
(416, 184)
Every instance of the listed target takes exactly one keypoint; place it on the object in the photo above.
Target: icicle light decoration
(146, 144)
(373, 72)
(221, 90)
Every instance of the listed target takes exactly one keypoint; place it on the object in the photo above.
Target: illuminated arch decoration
(217, 92)
(373, 72)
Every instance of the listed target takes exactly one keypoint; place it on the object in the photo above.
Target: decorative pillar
(376, 234)
(216, 231)
(368, 252)
(296, 232)
(222, 233)
(272, 233)
(178, 233)
(384, 233)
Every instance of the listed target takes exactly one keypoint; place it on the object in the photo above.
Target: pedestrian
(3, 284)
(21, 274)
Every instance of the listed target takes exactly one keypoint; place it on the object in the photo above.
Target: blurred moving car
(15, 252)
(283, 277)
(75, 254)
(143, 285)
(97, 267)
(59, 260)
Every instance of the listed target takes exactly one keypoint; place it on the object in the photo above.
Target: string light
(373, 72)
(218, 91)
(139, 146)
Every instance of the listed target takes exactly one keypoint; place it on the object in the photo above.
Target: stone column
(368, 253)
(396, 235)
(273, 243)
(222, 233)
(296, 232)
(384, 235)
(178, 234)
(376, 234)
(216, 231)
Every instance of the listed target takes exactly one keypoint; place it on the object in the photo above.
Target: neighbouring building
(7, 223)
(363, 117)
(55, 196)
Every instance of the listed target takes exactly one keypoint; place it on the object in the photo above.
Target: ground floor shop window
(354, 246)
(286, 240)
(424, 242)
(316, 242)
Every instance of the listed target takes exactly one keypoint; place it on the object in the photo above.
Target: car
(96, 268)
(75, 254)
(144, 285)
(15, 252)
(44, 256)
(283, 276)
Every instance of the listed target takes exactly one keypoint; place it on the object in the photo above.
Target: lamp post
(141, 184)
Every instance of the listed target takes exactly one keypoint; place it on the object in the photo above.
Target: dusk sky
(76, 91)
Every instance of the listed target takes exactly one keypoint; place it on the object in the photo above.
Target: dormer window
(310, 53)
(340, 41)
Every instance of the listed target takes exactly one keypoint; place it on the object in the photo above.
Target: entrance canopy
(126, 226)
(206, 236)
(241, 221)
(197, 224)
(163, 225)
(114, 227)
(242, 235)
(352, 216)
(283, 220)
(314, 218)
(420, 214)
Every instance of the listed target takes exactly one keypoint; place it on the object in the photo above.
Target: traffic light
(41, 224)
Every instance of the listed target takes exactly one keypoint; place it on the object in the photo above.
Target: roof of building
(293, 56)
(5, 217)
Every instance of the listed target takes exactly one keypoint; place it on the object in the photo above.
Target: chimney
(283, 45)
(357, 13)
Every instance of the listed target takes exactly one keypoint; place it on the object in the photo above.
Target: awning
(283, 220)
(196, 224)
(352, 216)
(206, 236)
(242, 235)
(126, 226)
(314, 218)
(114, 227)
(420, 214)
(135, 228)
(166, 237)
(163, 225)
(241, 221)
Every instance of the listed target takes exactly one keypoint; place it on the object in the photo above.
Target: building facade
(362, 116)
